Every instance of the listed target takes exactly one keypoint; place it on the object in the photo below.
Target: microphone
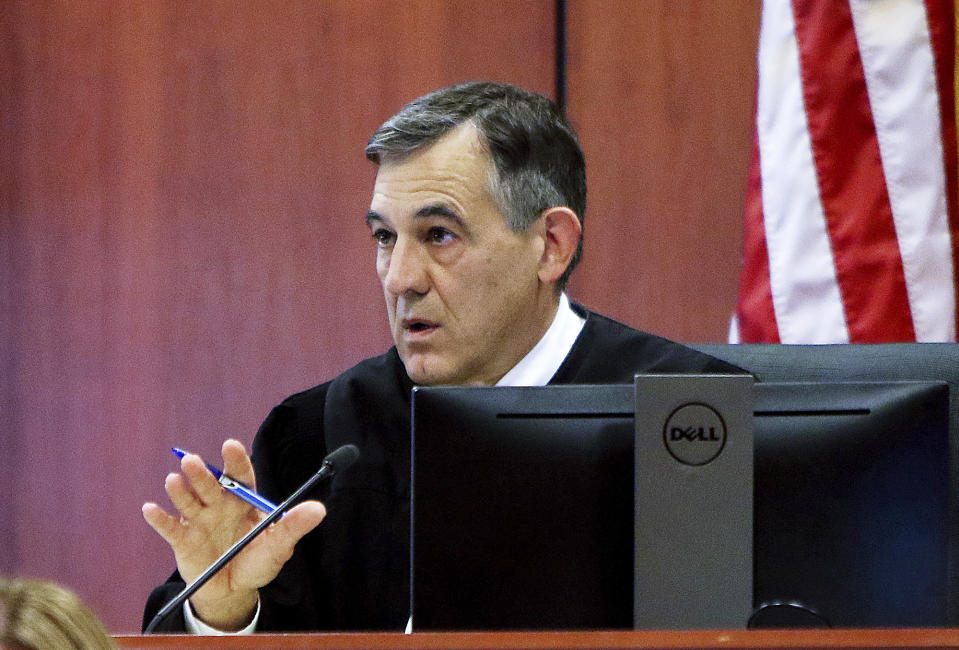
(337, 461)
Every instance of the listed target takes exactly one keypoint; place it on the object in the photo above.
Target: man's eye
(440, 235)
(383, 237)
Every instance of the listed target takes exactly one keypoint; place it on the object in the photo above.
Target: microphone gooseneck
(336, 461)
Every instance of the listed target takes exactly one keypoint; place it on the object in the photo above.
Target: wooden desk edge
(702, 639)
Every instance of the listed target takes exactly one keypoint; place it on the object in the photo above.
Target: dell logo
(694, 434)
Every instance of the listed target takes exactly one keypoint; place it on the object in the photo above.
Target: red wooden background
(182, 193)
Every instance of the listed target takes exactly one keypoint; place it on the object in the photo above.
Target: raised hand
(210, 521)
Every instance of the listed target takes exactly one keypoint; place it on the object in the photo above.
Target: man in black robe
(477, 220)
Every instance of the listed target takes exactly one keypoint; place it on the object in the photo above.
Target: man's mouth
(418, 326)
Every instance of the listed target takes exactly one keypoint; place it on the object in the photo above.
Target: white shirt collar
(541, 363)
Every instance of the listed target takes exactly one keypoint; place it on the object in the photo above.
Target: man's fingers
(206, 488)
(304, 517)
(296, 523)
(164, 524)
(236, 463)
(183, 498)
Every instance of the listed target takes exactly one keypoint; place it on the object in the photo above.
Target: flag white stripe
(897, 59)
(805, 292)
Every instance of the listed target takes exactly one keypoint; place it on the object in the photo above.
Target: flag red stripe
(849, 172)
(754, 310)
(942, 31)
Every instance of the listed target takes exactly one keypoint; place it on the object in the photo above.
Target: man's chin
(425, 371)
(422, 378)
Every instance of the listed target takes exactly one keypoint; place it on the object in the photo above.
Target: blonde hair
(35, 614)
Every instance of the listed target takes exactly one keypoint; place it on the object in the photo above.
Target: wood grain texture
(182, 196)
(660, 639)
(183, 238)
(662, 94)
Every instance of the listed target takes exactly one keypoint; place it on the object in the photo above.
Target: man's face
(463, 296)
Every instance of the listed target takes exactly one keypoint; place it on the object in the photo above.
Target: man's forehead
(453, 170)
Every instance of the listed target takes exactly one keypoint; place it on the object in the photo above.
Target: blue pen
(234, 486)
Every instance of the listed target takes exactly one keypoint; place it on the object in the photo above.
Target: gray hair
(538, 163)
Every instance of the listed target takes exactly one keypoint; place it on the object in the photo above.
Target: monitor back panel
(851, 505)
(522, 516)
(523, 507)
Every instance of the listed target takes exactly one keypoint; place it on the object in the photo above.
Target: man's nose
(406, 269)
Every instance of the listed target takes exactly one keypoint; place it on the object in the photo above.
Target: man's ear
(562, 233)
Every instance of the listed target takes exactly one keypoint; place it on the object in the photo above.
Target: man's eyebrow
(441, 210)
(432, 210)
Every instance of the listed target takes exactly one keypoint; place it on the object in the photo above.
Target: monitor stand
(693, 502)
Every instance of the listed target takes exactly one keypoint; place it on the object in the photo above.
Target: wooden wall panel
(182, 191)
(662, 94)
(181, 225)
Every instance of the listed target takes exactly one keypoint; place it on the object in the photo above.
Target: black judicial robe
(352, 571)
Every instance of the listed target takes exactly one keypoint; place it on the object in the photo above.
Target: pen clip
(229, 483)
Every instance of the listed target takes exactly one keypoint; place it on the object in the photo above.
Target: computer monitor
(523, 513)
(851, 505)
(933, 495)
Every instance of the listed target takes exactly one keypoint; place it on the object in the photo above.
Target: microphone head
(342, 457)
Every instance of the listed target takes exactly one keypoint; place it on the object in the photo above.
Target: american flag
(851, 228)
